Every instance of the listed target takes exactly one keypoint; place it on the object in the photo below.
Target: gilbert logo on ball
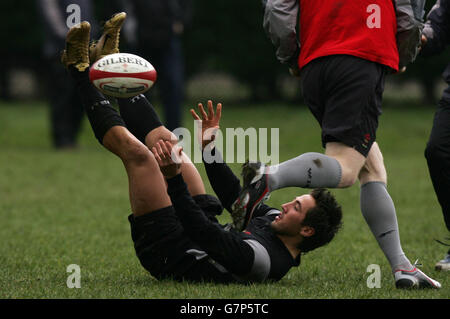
(122, 75)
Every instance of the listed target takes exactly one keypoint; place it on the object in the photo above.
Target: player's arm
(223, 181)
(225, 247)
(437, 29)
(244, 257)
(280, 23)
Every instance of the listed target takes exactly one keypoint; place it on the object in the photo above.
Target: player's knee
(350, 161)
(349, 177)
(366, 176)
(137, 153)
(373, 169)
(349, 172)
(160, 133)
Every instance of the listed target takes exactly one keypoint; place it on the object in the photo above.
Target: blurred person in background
(436, 37)
(160, 25)
(22, 52)
(65, 114)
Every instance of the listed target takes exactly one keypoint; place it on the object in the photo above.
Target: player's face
(289, 222)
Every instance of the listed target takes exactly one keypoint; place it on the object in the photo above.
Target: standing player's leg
(341, 163)
(378, 209)
(332, 87)
(379, 212)
(437, 154)
(337, 168)
(146, 183)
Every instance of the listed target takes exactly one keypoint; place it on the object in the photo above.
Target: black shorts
(344, 94)
(161, 244)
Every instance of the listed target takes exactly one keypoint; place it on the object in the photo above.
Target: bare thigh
(351, 161)
(147, 189)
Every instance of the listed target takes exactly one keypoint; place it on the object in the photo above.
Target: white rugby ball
(122, 75)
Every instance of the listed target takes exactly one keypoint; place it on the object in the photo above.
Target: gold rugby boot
(109, 41)
(76, 51)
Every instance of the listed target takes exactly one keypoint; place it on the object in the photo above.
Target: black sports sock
(139, 116)
(99, 111)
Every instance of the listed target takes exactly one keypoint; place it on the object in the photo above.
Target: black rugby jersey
(254, 255)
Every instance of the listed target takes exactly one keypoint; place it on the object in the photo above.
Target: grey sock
(378, 210)
(309, 170)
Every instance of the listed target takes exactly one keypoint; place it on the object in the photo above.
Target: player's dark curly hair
(325, 218)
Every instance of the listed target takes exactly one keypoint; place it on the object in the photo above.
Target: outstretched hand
(168, 157)
(210, 122)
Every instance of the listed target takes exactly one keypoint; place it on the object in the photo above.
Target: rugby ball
(122, 75)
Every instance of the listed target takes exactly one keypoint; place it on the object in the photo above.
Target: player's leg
(345, 146)
(437, 154)
(143, 121)
(378, 209)
(335, 89)
(309, 170)
(188, 170)
(146, 183)
(337, 168)
(147, 189)
(379, 212)
(109, 40)
(139, 115)
(350, 160)
(157, 234)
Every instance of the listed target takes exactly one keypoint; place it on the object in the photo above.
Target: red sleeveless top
(362, 28)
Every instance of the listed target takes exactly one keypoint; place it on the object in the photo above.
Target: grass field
(71, 207)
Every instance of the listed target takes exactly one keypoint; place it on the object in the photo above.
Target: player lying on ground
(342, 72)
(173, 223)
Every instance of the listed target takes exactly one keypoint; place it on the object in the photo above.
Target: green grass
(62, 208)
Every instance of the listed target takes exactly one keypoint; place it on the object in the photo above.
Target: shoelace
(113, 32)
(442, 243)
(417, 264)
(82, 48)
